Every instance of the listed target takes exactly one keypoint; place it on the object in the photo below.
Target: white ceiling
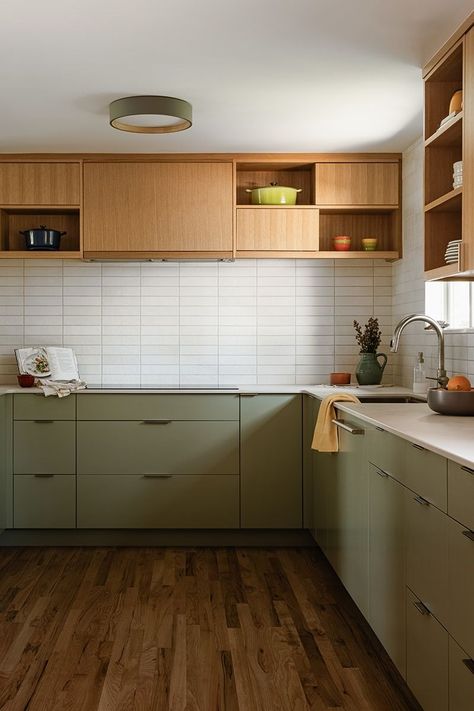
(262, 75)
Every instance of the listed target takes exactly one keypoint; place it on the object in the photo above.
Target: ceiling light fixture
(151, 114)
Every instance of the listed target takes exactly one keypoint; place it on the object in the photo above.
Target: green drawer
(39, 407)
(176, 502)
(44, 502)
(461, 494)
(387, 452)
(147, 407)
(44, 447)
(177, 447)
(426, 473)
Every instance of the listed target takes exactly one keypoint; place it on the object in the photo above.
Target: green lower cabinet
(310, 412)
(44, 447)
(38, 407)
(44, 501)
(461, 679)
(271, 461)
(158, 447)
(387, 561)
(128, 501)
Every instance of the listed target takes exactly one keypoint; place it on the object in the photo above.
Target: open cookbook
(50, 363)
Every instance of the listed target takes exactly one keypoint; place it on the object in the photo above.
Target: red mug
(25, 380)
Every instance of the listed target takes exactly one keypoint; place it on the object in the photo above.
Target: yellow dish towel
(325, 437)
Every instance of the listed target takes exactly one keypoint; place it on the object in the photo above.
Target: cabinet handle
(249, 394)
(156, 422)
(43, 422)
(469, 534)
(422, 609)
(380, 429)
(157, 476)
(43, 476)
(348, 428)
(420, 500)
(381, 473)
(419, 447)
(466, 469)
(469, 663)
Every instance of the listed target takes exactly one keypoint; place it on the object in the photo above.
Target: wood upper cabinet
(262, 229)
(357, 184)
(55, 184)
(158, 207)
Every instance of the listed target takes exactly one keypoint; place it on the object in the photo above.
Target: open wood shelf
(276, 207)
(449, 135)
(377, 254)
(440, 273)
(250, 176)
(451, 202)
(357, 225)
(16, 219)
(33, 254)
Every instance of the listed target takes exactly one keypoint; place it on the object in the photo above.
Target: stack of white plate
(452, 251)
(457, 174)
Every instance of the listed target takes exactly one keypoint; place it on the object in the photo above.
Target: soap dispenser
(420, 385)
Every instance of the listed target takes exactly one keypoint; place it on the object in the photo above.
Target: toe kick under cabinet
(158, 461)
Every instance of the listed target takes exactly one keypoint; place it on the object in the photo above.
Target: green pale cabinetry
(271, 461)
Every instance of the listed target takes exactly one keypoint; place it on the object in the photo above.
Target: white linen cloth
(60, 388)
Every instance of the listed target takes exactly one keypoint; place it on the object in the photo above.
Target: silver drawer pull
(348, 428)
(380, 429)
(422, 609)
(469, 534)
(43, 422)
(43, 476)
(249, 394)
(466, 469)
(420, 500)
(157, 476)
(469, 663)
(156, 422)
(381, 473)
(418, 447)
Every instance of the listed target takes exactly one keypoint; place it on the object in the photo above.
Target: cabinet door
(427, 554)
(461, 494)
(44, 447)
(310, 410)
(387, 564)
(271, 461)
(40, 184)
(281, 229)
(153, 207)
(357, 184)
(351, 513)
(461, 679)
(427, 657)
(44, 502)
(461, 585)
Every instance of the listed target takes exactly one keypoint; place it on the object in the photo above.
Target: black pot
(42, 239)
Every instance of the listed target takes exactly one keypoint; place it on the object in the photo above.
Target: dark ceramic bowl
(25, 380)
(448, 402)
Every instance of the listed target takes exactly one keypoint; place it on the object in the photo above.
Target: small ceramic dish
(342, 243)
(369, 244)
(340, 378)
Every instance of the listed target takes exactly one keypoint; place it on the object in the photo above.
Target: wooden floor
(185, 629)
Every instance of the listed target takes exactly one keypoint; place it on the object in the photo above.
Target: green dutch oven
(274, 194)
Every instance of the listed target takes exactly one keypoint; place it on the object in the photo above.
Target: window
(452, 302)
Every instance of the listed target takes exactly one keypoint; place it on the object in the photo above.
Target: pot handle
(61, 234)
(382, 355)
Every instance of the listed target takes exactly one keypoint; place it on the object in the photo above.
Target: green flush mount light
(151, 114)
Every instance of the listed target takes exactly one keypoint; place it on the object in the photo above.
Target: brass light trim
(129, 106)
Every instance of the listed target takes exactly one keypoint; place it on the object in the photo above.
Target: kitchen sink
(408, 399)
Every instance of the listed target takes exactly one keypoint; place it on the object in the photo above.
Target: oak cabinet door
(158, 207)
(271, 461)
(357, 184)
(40, 184)
(387, 579)
(279, 229)
(427, 657)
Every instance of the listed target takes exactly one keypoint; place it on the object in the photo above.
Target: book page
(63, 363)
(33, 361)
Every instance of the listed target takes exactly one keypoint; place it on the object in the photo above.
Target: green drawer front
(387, 452)
(44, 447)
(173, 448)
(39, 407)
(44, 502)
(426, 473)
(461, 494)
(139, 502)
(168, 407)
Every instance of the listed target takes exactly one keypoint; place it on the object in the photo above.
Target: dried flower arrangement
(368, 339)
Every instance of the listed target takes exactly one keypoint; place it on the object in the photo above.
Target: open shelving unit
(14, 219)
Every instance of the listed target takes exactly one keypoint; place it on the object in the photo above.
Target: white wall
(409, 287)
(266, 321)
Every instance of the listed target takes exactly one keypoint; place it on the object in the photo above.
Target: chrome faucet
(441, 376)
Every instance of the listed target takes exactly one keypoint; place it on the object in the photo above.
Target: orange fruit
(459, 383)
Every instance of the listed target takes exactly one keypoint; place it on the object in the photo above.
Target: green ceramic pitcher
(369, 371)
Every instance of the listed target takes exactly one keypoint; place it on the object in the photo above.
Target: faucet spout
(441, 375)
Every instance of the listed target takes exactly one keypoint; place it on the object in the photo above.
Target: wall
(409, 287)
(265, 322)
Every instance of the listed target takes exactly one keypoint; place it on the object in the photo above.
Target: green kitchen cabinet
(44, 447)
(167, 406)
(310, 410)
(38, 407)
(323, 493)
(130, 501)
(271, 461)
(44, 501)
(5, 456)
(460, 574)
(461, 678)
(158, 447)
(387, 561)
